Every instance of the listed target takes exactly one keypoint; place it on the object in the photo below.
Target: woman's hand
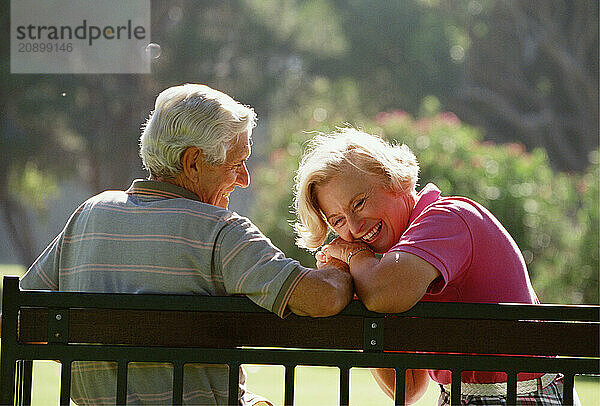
(343, 250)
(325, 260)
(321, 259)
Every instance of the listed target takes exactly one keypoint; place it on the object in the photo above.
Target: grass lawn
(17, 270)
(315, 386)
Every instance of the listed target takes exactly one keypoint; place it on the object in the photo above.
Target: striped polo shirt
(159, 238)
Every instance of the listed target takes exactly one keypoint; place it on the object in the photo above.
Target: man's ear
(192, 160)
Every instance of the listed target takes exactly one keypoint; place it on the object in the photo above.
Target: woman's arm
(415, 386)
(393, 284)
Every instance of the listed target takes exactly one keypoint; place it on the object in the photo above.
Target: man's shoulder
(108, 196)
(199, 212)
(116, 203)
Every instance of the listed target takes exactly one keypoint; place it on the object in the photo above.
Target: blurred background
(498, 100)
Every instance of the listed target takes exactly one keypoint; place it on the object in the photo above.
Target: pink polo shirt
(478, 260)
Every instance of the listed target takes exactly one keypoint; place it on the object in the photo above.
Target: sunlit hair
(191, 115)
(328, 155)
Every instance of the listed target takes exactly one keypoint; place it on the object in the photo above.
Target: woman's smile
(373, 233)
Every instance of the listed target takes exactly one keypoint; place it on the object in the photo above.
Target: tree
(531, 74)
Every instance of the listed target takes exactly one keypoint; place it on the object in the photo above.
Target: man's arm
(43, 273)
(322, 292)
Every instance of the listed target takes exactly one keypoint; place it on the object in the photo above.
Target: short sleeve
(43, 273)
(252, 266)
(441, 237)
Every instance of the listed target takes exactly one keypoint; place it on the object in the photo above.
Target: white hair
(191, 115)
(329, 155)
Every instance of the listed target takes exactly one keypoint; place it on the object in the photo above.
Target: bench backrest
(69, 326)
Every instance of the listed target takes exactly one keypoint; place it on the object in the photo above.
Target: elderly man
(173, 233)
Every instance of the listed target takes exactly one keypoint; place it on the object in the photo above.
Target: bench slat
(509, 311)
(227, 330)
(491, 336)
(196, 329)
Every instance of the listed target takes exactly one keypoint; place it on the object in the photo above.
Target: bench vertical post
(568, 382)
(234, 383)
(65, 382)
(9, 339)
(178, 383)
(400, 386)
(455, 388)
(25, 382)
(19, 382)
(289, 385)
(122, 382)
(511, 388)
(344, 385)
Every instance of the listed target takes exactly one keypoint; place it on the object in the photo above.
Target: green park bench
(124, 328)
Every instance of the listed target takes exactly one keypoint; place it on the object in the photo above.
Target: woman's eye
(359, 203)
(336, 222)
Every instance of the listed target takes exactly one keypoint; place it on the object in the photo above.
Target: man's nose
(243, 177)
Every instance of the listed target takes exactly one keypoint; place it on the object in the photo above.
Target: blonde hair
(330, 154)
(191, 115)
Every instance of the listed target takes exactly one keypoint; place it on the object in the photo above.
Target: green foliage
(581, 270)
(552, 216)
(34, 186)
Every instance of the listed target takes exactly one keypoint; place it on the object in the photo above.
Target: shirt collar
(160, 189)
(429, 194)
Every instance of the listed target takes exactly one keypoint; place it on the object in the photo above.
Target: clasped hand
(336, 253)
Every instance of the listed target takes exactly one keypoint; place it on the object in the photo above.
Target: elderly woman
(435, 248)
